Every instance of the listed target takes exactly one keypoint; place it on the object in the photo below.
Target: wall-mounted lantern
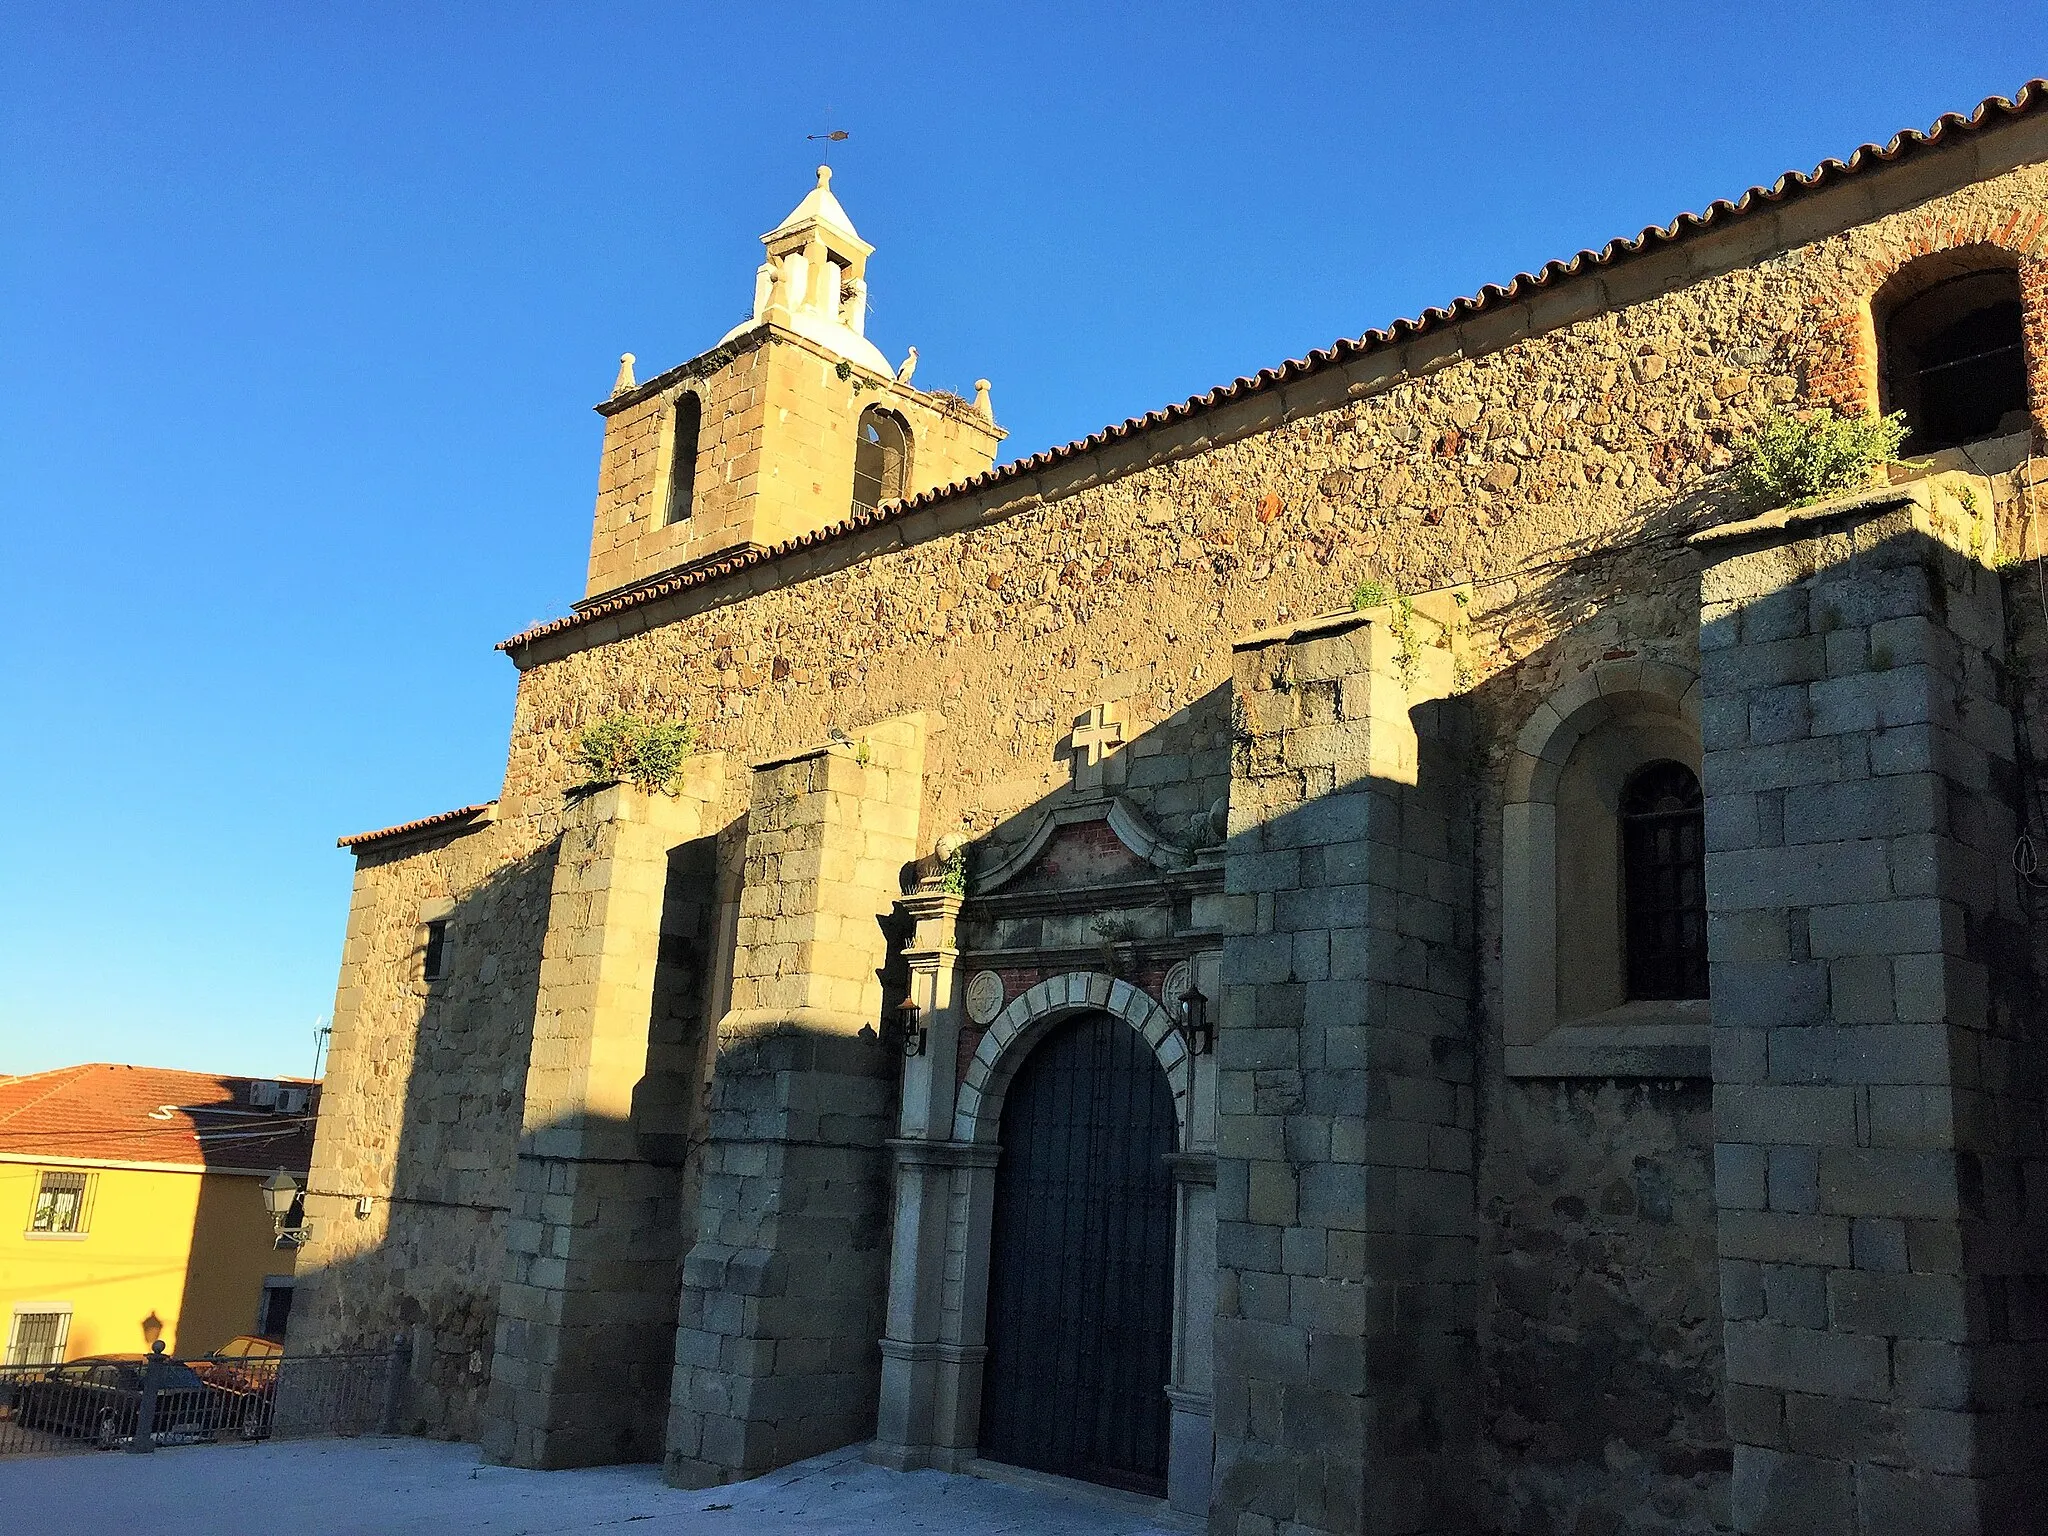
(910, 1034)
(282, 1198)
(1195, 1031)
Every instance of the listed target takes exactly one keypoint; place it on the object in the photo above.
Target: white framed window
(38, 1332)
(63, 1205)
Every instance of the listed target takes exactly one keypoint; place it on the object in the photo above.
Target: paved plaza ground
(378, 1487)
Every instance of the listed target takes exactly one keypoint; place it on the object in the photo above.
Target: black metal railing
(138, 1403)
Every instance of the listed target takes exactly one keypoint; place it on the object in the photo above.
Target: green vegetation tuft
(623, 748)
(1790, 461)
(953, 878)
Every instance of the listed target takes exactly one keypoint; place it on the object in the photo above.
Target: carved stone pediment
(1083, 845)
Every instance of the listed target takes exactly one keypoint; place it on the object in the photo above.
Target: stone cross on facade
(1093, 746)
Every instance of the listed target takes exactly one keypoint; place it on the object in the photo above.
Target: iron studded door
(1080, 1309)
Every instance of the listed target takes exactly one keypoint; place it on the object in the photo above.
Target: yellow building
(131, 1209)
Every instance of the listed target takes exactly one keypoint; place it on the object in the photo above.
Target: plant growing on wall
(953, 875)
(1368, 594)
(1789, 461)
(624, 748)
(1407, 642)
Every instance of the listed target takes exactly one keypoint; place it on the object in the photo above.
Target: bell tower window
(881, 459)
(682, 459)
(1664, 900)
(1954, 359)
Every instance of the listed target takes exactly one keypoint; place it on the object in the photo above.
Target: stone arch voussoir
(978, 1110)
(1596, 695)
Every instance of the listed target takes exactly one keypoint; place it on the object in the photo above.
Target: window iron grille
(37, 1338)
(63, 1205)
(1664, 899)
(1954, 360)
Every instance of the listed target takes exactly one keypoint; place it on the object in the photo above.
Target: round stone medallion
(984, 996)
(1177, 982)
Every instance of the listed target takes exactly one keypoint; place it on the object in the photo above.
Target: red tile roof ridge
(2031, 97)
(440, 818)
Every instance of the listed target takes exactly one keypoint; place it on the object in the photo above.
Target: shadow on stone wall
(441, 1107)
(1878, 1087)
(1591, 1372)
(1569, 602)
(1599, 1329)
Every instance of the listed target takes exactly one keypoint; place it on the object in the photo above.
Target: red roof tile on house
(116, 1114)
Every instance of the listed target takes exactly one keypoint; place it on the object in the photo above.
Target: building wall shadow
(234, 1248)
(425, 1106)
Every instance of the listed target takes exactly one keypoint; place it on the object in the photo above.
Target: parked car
(101, 1395)
(246, 1366)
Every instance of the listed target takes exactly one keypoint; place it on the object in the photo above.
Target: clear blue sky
(303, 310)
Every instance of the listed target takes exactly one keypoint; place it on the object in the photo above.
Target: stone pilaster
(777, 1348)
(914, 1354)
(1874, 1093)
(1345, 1227)
(587, 1309)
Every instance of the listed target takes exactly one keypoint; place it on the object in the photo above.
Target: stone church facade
(1375, 951)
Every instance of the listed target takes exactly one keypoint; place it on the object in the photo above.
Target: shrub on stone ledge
(627, 749)
(1790, 461)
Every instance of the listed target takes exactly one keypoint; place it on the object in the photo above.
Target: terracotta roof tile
(444, 818)
(111, 1113)
(2031, 97)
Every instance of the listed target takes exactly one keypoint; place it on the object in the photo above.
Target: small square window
(63, 1203)
(435, 965)
(274, 1315)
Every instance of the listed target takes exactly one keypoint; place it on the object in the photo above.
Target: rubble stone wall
(1553, 454)
(421, 1112)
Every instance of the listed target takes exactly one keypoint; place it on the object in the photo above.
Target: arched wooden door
(1080, 1310)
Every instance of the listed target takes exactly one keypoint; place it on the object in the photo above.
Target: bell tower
(814, 281)
(794, 422)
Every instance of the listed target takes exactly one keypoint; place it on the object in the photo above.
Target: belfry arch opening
(682, 460)
(1952, 350)
(881, 459)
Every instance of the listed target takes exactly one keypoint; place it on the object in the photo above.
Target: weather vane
(836, 136)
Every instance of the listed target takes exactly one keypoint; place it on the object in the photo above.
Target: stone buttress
(587, 1309)
(1877, 1089)
(777, 1350)
(1346, 1237)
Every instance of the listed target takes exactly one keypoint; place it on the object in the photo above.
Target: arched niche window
(1664, 887)
(682, 458)
(881, 459)
(1952, 354)
(1603, 903)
